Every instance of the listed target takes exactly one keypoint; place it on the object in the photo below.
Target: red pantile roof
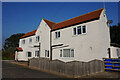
(19, 49)
(50, 23)
(79, 19)
(29, 34)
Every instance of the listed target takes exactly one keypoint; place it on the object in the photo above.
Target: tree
(10, 45)
(115, 34)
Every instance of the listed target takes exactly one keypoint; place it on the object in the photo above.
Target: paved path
(10, 70)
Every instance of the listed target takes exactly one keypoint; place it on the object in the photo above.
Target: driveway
(10, 70)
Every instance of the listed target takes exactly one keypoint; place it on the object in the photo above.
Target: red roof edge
(29, 34)
(19, 49)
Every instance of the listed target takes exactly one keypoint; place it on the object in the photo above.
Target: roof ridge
(80, 15)
(49, 20)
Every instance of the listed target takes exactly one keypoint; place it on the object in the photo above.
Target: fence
(112, 64)
(73, 68)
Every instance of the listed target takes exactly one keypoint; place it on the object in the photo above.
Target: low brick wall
(73, 68)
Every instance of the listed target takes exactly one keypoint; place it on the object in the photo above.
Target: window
(79, 30)
(84, 29)
(37, 39)
(36, 53)
(29, 54)
(60, 53)
(74, 31)
(30, 40)
(67, 53)
(46, 53)
(72, 52)
(57, 34)
(118, 53)
(23, 41)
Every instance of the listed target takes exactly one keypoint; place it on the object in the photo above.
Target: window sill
(79, 34)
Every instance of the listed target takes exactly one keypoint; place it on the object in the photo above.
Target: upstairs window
(57, 34)
(30, 40)
(79, 30)
(37, 39)
(23, 41)
(74, 31)
(84, 29)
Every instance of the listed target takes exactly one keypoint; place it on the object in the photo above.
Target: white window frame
(37, 53)
(47, 54)
(85, 29)
(56, 35)
(30, 40)
(67, 56)
(23, 41)
(28, 53)
(81, 27)
(37, 38)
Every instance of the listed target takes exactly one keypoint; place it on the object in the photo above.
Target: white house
(114, 51)
(82, 38)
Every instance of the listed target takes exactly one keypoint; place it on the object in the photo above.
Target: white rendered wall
(113, 51)
(43, 32)
(89, 46)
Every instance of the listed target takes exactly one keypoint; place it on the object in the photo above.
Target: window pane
(38, 38)
(37, 53)
(30, 40)
(60, 53)
(23, 41)
(48, 53)
(59, 34)
(84, 29)
(55, 34)
(66, 53)
(29, 54)
(72, 52)
(79, 29)
(74, 31)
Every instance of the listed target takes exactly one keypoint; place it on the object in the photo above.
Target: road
(10, 70)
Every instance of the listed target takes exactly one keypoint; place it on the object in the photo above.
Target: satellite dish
(109, 21)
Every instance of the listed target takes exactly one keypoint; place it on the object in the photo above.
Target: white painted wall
(113, 52)
(43, 32)
(92, 45)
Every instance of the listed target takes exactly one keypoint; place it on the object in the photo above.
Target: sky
(23, 17)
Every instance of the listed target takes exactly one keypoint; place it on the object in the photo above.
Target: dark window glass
(60, 53)
(79, 29)
(59, 34)
(23, 41)
(84, 29)
(74, 31)
(55, 34)
(29, 54)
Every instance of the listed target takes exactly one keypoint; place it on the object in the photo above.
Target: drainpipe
(51, 43)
